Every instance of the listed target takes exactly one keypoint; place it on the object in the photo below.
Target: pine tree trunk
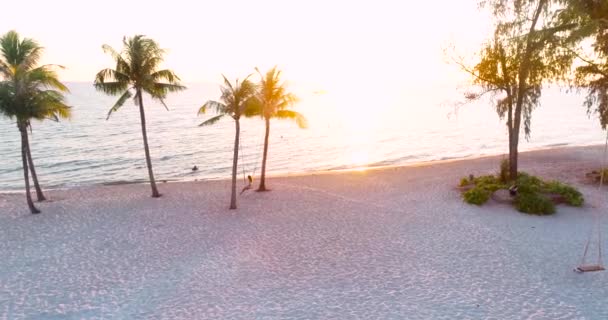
(235, 162)
(512, 143)
(142, 114)
(262, 186)
(40, 196)
(28, 195)
(513, 154)
(523, 74)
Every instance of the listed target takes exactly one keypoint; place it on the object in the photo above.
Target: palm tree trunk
(30, 161)
(235, 162)
(262, 186)
(142, 114)
(28, 195)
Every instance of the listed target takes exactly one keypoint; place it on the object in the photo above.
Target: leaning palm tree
(237, 100)
(28, 92)
(136, 70)
(274, 103)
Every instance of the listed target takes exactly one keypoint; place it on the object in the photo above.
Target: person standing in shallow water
(249, 184)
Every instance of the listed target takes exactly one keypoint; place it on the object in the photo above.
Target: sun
(359, 158)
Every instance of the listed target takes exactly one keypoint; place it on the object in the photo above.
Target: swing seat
(589, 268)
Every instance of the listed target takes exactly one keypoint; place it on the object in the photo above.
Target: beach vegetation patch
(465, 182)
(476, 196)
(530, 194)
(503, 173)
(571, 196)
(534, 203)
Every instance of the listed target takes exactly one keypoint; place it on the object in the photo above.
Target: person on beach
(249, 184)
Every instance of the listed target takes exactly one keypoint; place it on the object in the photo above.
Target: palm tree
(136, 70)
(28, 92)
(274, 102)
(236, 100)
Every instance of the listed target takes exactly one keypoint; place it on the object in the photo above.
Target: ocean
(416, 125)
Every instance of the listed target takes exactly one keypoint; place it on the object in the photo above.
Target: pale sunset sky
(329, 44)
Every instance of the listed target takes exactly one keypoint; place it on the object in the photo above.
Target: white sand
(396, 243)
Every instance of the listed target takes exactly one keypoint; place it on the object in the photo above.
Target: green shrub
(528, 184)
(503, 173)
(572, 196)
(476, 196)
(494, 187)
(485, 180)
(534, 203)
(532, 192)
(490, 183)
(464, 182)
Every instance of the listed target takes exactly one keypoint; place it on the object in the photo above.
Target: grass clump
(528, 184)
(465, 182)
(503, 173)
(476, 196)
(534, 203)
(534, 196)
(482, 188)
(572, 196)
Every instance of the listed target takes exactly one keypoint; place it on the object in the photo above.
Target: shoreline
(413, 164)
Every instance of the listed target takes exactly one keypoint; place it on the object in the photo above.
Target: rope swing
(599, 265)
(255, 166)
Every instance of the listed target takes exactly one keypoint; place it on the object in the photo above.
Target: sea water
(424, 124)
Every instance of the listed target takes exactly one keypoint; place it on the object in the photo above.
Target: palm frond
(111, 75)
(64, 112)
(218, 107)
(46, 104)
(253, 107)
(115, 54)
(45, 76)
(287, 100)
(300, 120)
(228, 85)
(30, 91)
(212, 120)
(136, 67)
(248, 88)
(7, 105)
(33, 56)
(162, 101)
(167, 75)
(162, 89)
(121, 101)
(19, 53)
(273, 93)
(5, 70)
(111, 88)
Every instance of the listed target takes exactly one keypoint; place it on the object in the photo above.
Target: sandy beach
(392, 243)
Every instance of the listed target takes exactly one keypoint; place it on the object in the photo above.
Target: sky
(332, 45)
